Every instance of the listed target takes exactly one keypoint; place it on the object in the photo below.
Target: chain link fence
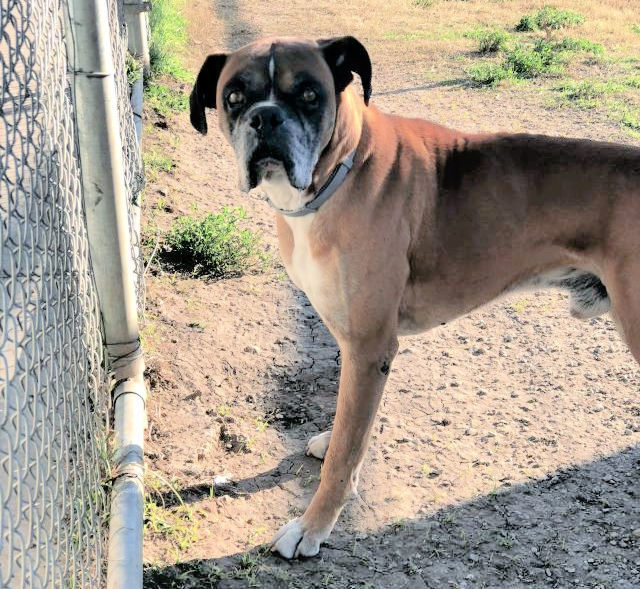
(54, 389)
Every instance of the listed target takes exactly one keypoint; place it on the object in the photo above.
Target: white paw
(317, 446)
(292, 540)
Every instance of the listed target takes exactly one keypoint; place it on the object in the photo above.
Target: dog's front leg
(365, 366)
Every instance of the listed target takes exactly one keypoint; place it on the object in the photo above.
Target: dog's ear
(344, 56)
(204, 91)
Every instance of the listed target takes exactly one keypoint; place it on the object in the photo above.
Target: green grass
(633, 82)
(631, 120)
(155, 162)
(575, 45)
(215, 245)
(587, 94)
(545, 57)
(521, 62)
(165, 100)
(175, 523)
(527, 62)
(548, 19)
(489, 40)
(488, 74)
(168, 39)
(133, 67)
(635, 29)
(611, 97)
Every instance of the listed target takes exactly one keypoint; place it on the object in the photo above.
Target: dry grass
(429, 43)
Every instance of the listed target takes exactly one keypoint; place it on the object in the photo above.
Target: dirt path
(506, 450)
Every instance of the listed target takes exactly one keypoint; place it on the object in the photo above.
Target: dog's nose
(266, 119)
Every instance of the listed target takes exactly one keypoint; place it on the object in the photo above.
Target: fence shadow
(579, 526)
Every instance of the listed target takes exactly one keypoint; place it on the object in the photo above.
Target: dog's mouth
(265, 162)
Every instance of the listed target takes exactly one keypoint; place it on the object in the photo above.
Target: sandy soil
(505, 453)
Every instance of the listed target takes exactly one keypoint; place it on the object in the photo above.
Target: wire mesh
(54, 471)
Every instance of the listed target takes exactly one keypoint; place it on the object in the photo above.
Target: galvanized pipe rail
(105, 195)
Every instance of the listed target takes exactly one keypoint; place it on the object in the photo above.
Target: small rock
(252, 349)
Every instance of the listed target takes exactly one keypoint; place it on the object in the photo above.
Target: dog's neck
(344, 140)
(347, 132)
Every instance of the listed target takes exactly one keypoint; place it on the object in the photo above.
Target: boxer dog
(393, 225)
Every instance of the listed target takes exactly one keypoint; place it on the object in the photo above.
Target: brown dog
(393, 225)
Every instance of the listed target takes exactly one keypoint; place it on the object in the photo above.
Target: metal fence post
(135, 13)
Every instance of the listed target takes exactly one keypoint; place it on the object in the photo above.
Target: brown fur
(432, 223)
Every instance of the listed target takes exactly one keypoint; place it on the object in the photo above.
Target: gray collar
(326, 191)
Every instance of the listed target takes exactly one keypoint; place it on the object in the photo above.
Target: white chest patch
(307, 273)
(303, 269)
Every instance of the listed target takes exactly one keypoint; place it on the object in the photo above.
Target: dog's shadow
(301, 396)
(576, 527)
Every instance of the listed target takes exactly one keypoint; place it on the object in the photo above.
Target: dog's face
(277, 102)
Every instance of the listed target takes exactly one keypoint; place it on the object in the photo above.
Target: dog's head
(277, 101)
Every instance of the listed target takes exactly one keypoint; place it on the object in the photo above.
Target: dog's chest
(309, 272)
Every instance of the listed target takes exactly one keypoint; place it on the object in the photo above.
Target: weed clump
(526, 24)
(214, 245)
(489, 40)
(156, 162)
(631, 120)
(573, 45)
(545, 57)
(521, 62)
(542, 58)
(549, 19)
(488, 74)
(585, 94)
(164, 99)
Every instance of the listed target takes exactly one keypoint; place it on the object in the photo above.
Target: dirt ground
(506, 451)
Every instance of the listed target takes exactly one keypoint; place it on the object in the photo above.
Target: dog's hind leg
(624, 289)
(365, 366)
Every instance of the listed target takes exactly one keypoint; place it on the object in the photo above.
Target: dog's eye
(235, 98)
(309, 95)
